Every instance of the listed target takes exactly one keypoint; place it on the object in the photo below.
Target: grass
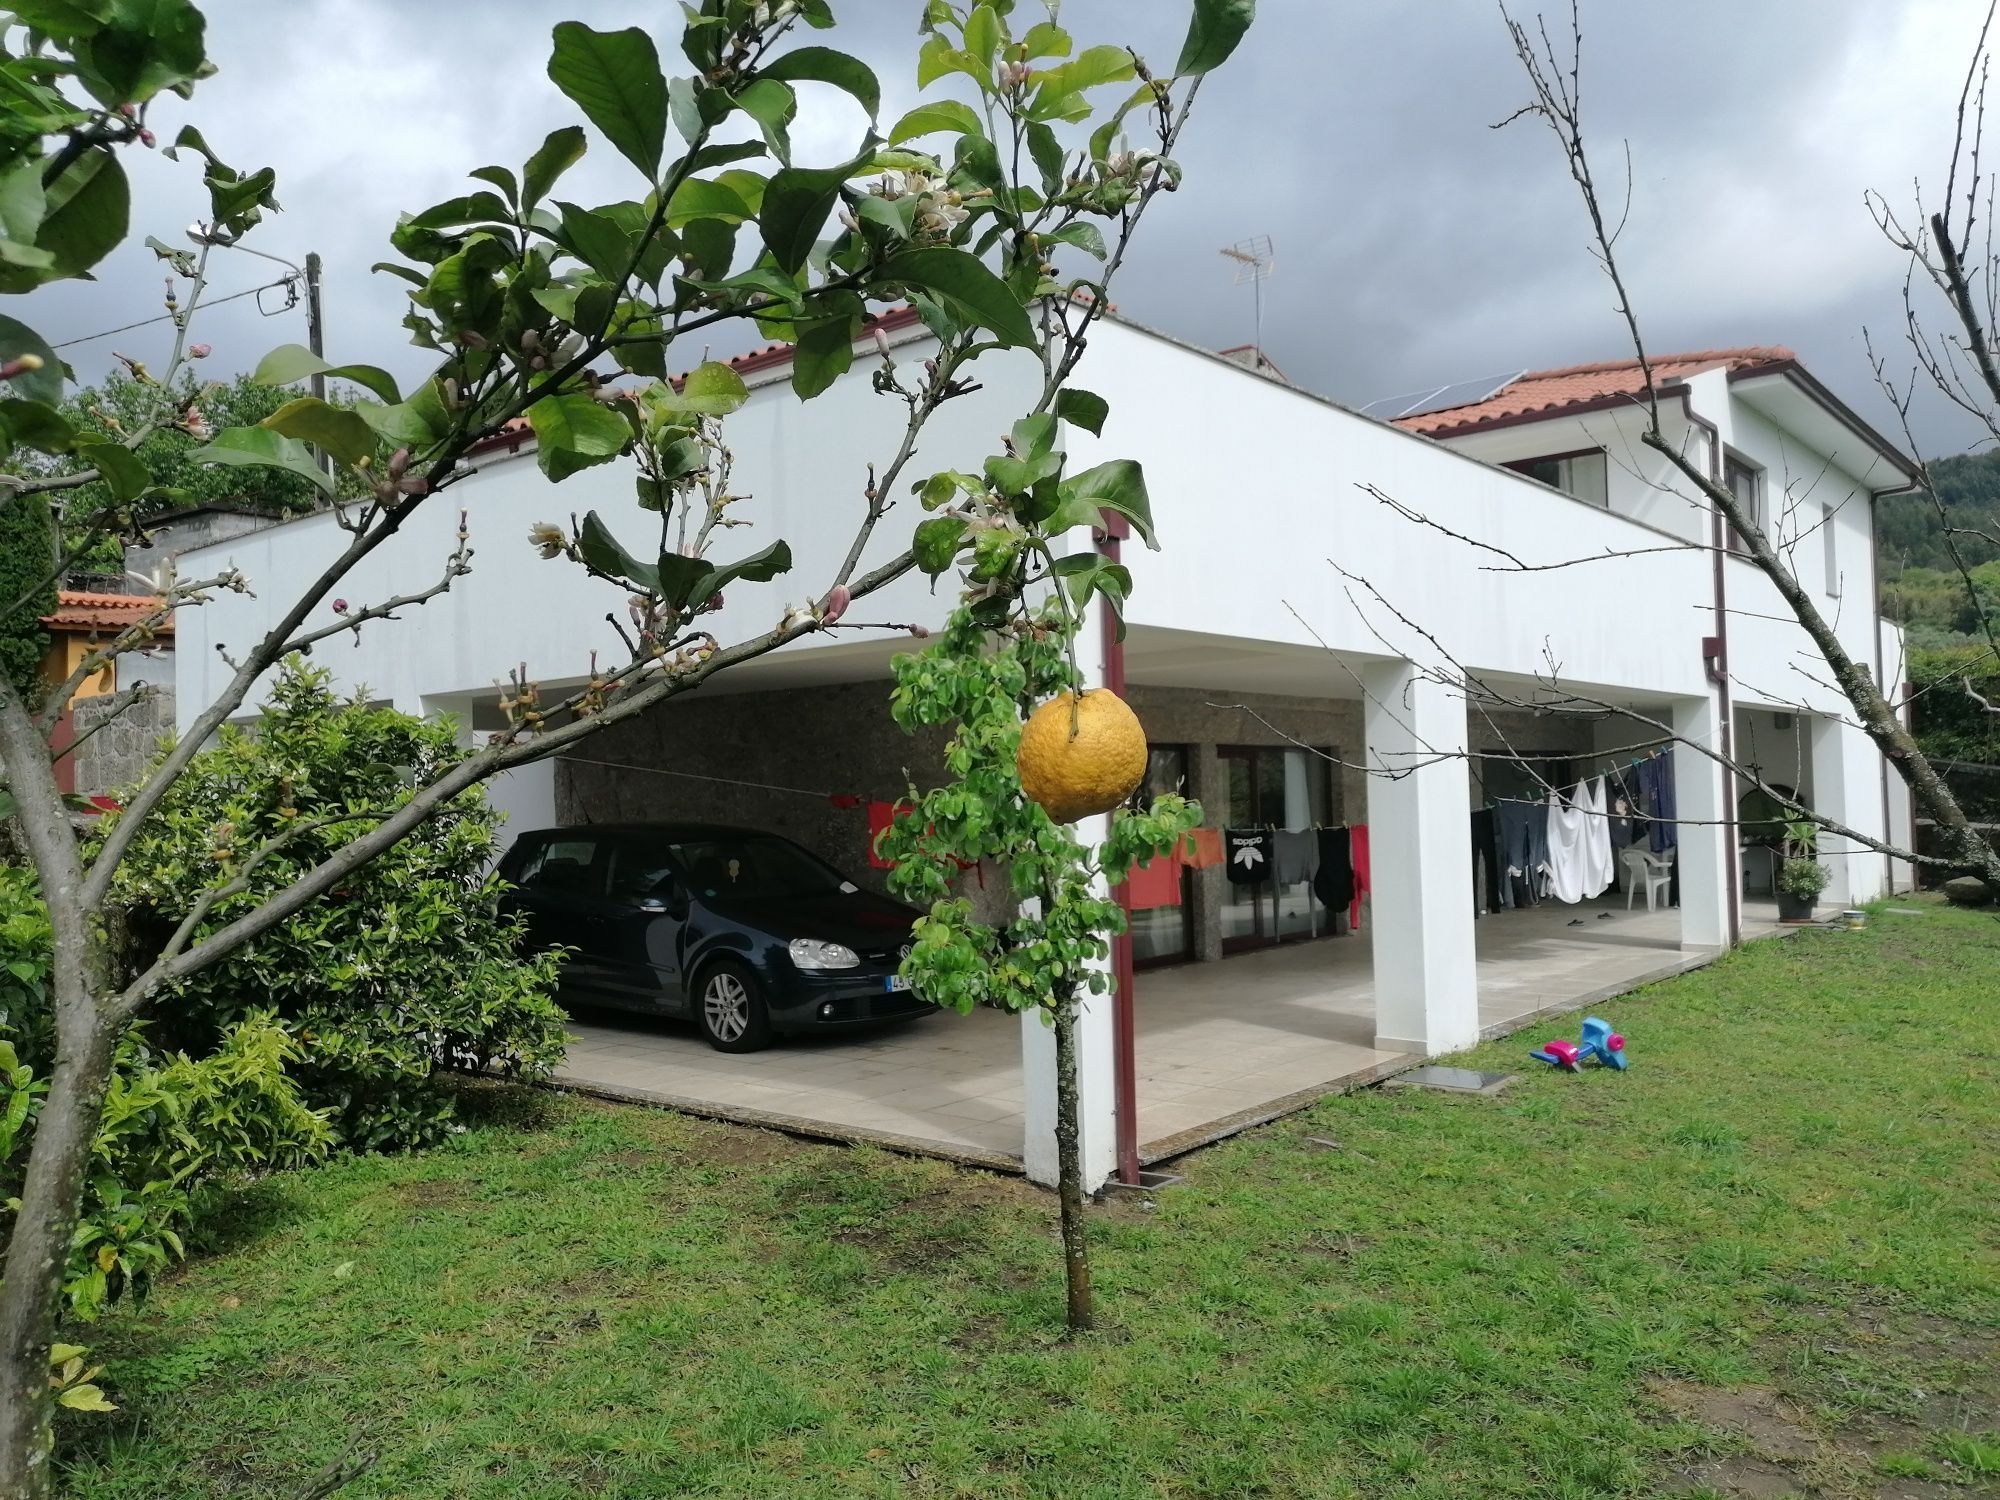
(1762, 1260)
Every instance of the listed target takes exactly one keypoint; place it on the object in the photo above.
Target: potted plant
(1801, 877)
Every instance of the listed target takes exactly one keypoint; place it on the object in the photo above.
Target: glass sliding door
(1287, 789)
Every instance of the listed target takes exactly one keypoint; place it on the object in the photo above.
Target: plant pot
(1795, 908)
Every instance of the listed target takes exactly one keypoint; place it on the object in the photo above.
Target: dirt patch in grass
(437, 1193)
(745, 1146)
(1772, 1425)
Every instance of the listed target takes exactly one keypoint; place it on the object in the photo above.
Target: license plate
(894, 983)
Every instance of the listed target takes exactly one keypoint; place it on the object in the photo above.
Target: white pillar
(1420, 863)
(1096, 1082)
(1847, 787)
(1706, 842)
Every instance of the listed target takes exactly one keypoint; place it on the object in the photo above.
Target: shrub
(405, 974)
(171, 1128)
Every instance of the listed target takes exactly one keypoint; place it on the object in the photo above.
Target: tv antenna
(1254, 262)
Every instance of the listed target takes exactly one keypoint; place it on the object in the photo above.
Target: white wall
(803, 467)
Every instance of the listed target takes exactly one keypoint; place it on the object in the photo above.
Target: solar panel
(1439, 397)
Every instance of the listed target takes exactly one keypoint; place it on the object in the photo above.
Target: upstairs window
(1583, 475)
(1746, 482)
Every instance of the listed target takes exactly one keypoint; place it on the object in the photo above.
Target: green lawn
(1764, 1258)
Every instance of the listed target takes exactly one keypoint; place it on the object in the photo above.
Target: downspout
(1124, 1040)
(1716, 665)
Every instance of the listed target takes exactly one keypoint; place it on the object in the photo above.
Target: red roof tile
(81, 612)
(1548, 393)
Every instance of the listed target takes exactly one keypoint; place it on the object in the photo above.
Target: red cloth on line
(1154, 884)
(1204, 849)
(1357, 843)
(845, 801)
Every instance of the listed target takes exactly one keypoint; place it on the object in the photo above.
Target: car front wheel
(731, 1010)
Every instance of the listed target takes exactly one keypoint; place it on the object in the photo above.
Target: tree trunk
(30, 1296)
(1069, 1169)
(59, 1156)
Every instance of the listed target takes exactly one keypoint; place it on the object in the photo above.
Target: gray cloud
(1415, 244)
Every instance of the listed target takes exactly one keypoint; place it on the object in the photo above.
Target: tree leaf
(260, 447)
(772, 105)
(937, 541)
(403, 424)
(705, 198)
(123, 473)
(501, 177)
(713, 389)
(33, 424)
(759, 567)
(963, 283)
(291, 362)
(823, 353)
(344, 434)
(614, 78)
(939, 115)
(1119, 485)
(575, 432)
(1213, 32)
(1081, 408)
(89, 211)
(796, 203)
(825, 65)
(601, 550)
(597, 240)
(561, 150)
(45, 384)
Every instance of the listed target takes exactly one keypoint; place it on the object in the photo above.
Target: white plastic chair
(1643, 867)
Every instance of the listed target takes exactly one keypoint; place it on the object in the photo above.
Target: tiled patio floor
(1218, 1043)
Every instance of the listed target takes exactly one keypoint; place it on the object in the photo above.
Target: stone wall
(124, 733)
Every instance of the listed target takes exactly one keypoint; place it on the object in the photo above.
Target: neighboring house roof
(1537, 394)
(81, 613)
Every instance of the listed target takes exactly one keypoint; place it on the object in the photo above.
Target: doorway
(1288, 789)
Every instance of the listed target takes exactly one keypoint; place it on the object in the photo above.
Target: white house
(1271, 682)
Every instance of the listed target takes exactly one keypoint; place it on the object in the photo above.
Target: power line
(286, 281)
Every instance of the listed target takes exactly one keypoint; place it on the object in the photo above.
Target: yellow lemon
(1081, 763)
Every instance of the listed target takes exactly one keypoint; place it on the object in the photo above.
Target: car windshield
(753, 867)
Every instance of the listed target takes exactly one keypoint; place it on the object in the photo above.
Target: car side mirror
(653, 906)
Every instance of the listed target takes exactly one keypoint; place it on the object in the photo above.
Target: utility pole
(316, 338)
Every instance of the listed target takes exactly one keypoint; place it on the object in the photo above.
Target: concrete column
(1096, 1083)
(1707, 841)
(1426, 981)
(1847, 786)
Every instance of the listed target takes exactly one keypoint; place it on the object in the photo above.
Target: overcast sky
(1415, 245)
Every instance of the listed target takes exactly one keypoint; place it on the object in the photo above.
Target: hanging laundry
(1204, 849)
(1524, 852)
(1154, 884)
(1357, 843)
(1333, 881)
(1567, 834)
(1598, 863)
(1249, 852)
(1656, 778)
(1297, 854)
(1486, 865)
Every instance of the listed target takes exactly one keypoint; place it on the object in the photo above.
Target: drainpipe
(1896, 700)
(1124, 1041)
(1716, 662)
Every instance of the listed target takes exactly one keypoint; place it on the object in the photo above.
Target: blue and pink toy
(1600, 1044)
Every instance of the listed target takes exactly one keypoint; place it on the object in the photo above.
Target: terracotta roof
(1548, 393)
(94, 614)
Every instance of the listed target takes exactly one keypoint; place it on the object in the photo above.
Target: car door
(645, 911)
(560, 893)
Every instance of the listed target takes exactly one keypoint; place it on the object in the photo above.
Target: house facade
(1385, 622)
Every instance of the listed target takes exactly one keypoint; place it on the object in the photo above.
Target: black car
(743, 932)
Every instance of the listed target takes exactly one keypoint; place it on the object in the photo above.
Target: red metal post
(1124, 1040)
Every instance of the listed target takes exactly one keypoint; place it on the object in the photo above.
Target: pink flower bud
(340, 606)
(920, 632)
(836, 604)
(398, 462)
(146, 137)
(200, 351)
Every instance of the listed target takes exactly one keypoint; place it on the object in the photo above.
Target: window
(1746, 483)
(754, 867)
(1165, 934)
(1830, 545)
(560, 865)
(1583, 475)
(637, 871)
